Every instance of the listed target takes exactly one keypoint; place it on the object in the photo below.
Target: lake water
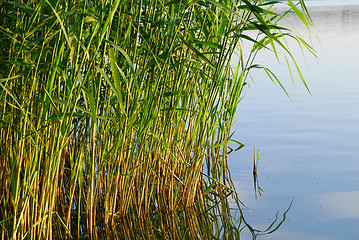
(310, 145)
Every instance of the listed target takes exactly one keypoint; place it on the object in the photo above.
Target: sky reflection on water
(310, 146)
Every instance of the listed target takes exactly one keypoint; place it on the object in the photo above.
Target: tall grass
(115, 107)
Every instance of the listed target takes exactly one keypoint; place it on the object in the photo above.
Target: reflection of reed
(210, 218)
(255, 173)
(191, 223)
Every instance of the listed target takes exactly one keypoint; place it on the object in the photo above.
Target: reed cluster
(117, 106)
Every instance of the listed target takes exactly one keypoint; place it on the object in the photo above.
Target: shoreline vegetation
(115, 111)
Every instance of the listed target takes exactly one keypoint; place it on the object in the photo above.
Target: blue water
(310, 145)
(311, 3)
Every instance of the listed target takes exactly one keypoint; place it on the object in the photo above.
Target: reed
(114, 108)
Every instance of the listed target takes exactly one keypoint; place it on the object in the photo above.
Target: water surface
(310, 145)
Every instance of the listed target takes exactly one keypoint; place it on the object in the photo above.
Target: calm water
(310, 145)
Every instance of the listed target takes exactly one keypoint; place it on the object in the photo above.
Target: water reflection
(218, 215)
(310, 146)
(337, 205)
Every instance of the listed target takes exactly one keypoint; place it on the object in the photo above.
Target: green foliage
(115, 107)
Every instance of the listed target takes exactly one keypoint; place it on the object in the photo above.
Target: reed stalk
(115, 108)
